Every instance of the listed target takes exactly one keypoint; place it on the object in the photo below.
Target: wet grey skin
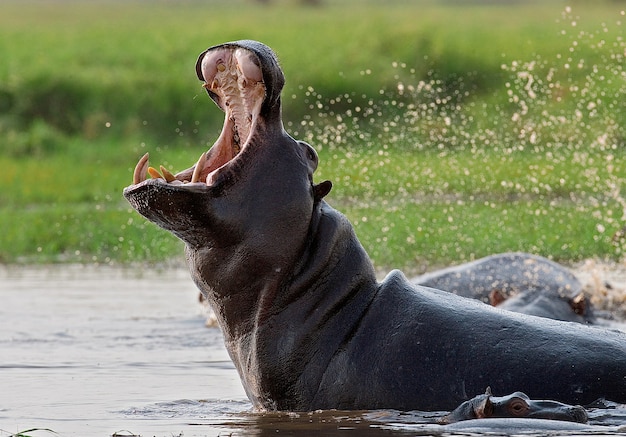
(304, 319)
(515, 405)
(519, 282)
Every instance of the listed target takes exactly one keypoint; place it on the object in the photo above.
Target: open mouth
(233, 78)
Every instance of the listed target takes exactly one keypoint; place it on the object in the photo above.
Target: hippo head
(244, 209)
(515, 405)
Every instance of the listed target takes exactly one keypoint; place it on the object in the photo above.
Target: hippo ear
(484, 408)
(322, 189)
(496, 297)
(579, 304)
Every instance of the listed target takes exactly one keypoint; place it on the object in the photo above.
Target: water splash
(545, 150)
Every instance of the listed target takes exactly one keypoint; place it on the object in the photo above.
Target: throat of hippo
(311, 317)
(333, 268)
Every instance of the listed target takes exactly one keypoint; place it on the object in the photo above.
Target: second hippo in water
(519, 282)
(515, 405)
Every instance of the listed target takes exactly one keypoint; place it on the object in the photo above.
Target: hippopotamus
(304, 319)
(515, 405)
(519, 282)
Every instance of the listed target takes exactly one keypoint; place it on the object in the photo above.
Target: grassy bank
(450, 132)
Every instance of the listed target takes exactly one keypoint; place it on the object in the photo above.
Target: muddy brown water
(101, 351)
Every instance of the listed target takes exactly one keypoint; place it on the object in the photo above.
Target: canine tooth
(139, 175)
(169, 177)
(210, 179)
(155, 173)
(198, 169)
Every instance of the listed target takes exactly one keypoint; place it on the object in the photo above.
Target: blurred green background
(451, 129)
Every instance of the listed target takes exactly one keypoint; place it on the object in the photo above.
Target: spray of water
(550, 142)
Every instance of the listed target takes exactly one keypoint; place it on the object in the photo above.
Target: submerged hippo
(304, 320)
(515, 405)
(519, 282)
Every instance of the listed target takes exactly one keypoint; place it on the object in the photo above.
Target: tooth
(155, 173)
(210, 179)
(199, 167)
(221, 67)
(169, 177)
(139, 175)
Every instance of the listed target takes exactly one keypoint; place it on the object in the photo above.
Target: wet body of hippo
(304, 320)
(515, 405)
(518, 282)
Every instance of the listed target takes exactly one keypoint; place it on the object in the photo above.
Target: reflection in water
(95, 351)
(334, 423)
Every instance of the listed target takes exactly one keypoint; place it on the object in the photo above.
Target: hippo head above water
(253, 154)
(239, 209)
(304, 319)
(515, 405)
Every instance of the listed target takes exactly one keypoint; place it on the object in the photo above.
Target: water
(102, 351)
(99, 350)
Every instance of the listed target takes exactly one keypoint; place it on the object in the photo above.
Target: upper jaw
(233, 76)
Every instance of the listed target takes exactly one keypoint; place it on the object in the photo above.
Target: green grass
(450, 132)
(412, 210)
(80, 65)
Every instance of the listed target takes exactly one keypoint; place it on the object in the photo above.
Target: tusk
(155, 173)
(169, 177)
(199, 167)
(139, 175)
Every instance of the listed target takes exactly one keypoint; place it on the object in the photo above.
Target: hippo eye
(518, 407)
(310, 152)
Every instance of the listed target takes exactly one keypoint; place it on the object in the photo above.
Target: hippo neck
(303, 325)
(333, 253)
(332, 269)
